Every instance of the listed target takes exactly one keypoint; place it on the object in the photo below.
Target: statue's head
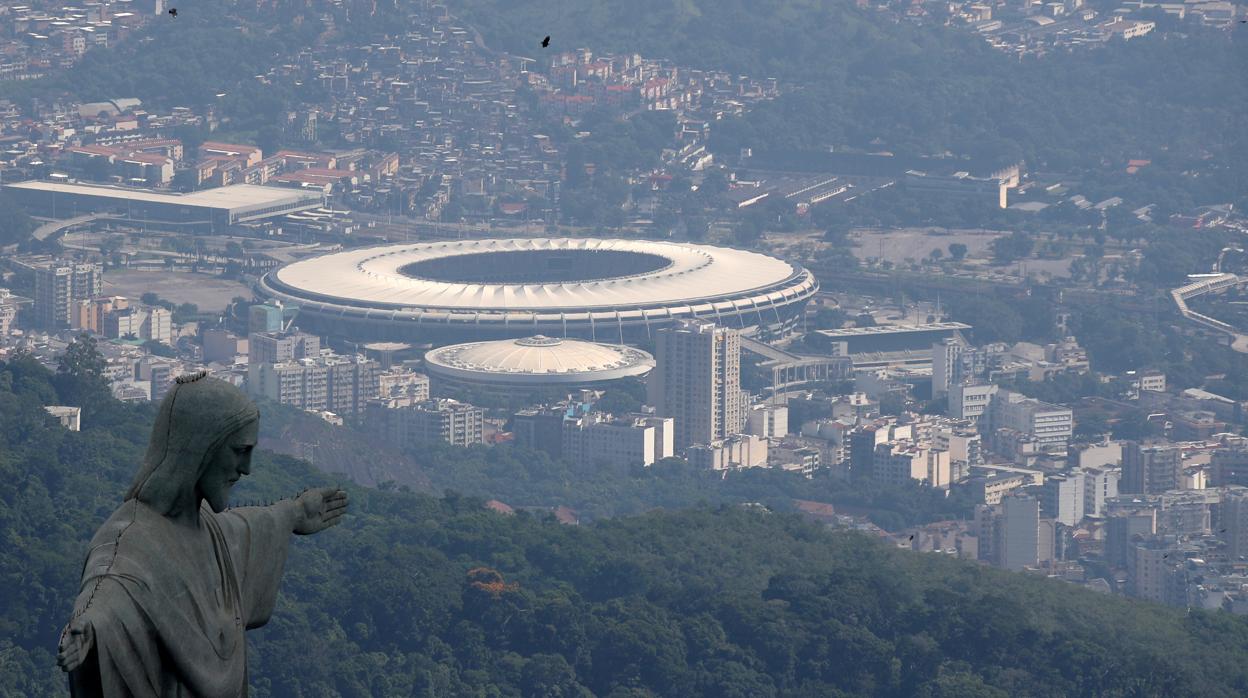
(227, 464)
(201, 444)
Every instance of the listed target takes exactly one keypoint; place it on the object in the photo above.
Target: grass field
(210, 293)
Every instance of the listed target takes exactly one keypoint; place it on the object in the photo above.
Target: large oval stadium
(602, 290)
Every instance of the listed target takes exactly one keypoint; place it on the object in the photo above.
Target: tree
(958, 251)
(158, 348)
(1012, 247)
(269, 139)
(892, 404)
(15, 225)
(1136, 425)
(748, 231)
(80, 378)
(1091, 426)
(184, 180)
(97, 169)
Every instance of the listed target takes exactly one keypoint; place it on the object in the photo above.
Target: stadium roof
(235, 196)
(538, 359)
(373, 276)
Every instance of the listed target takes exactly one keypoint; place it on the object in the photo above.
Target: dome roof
(536, 360)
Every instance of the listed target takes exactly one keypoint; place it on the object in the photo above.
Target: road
(53, 227)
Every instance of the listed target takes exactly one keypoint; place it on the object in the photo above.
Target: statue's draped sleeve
(258, 538)
(125, 657)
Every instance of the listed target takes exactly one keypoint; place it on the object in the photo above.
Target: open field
(901, 244)
(210, 293)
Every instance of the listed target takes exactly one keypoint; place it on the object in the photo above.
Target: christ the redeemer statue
(173, 578)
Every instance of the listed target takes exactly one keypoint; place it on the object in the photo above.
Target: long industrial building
(604, 290)
(210, 210)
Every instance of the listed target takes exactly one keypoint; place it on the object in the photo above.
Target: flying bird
(173, 12)
(546, 42)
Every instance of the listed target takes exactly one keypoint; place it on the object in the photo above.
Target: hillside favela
(537, 349)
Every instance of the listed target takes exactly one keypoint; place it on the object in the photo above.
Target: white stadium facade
(597, 289)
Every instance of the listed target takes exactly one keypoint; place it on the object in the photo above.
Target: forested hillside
(860, 76)
(439, 597)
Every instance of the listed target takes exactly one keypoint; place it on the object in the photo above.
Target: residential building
(965, 446)
(158, 372)
(946, 365)
(1229, 466)
(350, 382)
(431, 421)
(9, 305)
(768, 421)
(596, 439)
(1051, 426)
(265, 317)
(1234, 520)
(59, 286)
(1063, 497)
(698, 382)
(900, 462)
(541, 428)
(737, 451)
(222, 346)
(802, 459)
(990, 489)
(403, 382)
(1154, 381)
(1150, 468)
(89, 314)
(970, 401)
(1019, 542)
(69, 417)
(1099, 484)
(1123, 530)
(1149, 569)
(276, 347)
(124, 323)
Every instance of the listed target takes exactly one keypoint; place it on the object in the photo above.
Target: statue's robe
(170, 608)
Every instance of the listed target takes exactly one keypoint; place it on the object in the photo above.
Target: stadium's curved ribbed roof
(538, 359)
(372, 277)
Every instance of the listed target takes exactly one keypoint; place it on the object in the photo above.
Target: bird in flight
(546, 42)
(173, 12)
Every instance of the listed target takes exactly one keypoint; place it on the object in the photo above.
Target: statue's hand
(318, 509)
(76, 642)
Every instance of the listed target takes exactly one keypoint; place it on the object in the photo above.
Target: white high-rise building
(1099, 484)
(1064, 497)
(59, 286)
(946, 365)
(698, 382)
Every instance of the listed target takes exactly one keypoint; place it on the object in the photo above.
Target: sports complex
(598, 289)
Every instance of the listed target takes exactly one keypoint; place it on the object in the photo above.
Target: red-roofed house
(497, 506)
